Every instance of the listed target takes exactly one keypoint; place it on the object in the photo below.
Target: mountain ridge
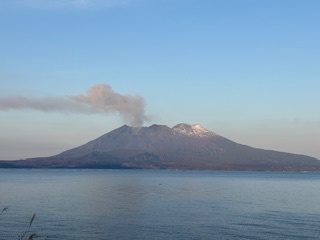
(183, 146)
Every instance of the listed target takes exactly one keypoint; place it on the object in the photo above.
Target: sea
(158, 204)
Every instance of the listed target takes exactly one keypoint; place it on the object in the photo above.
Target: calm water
(147, 204)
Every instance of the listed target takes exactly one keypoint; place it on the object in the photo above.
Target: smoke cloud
(98, 99)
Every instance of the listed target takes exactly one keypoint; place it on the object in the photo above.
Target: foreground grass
(25, 235)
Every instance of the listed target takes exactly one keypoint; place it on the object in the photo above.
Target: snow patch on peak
(192, 130)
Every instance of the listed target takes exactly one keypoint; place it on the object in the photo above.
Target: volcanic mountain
(160, 147)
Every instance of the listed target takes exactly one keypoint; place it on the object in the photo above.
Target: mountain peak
(192, 130)
(160, 147)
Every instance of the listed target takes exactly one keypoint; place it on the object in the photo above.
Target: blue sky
(245, 69)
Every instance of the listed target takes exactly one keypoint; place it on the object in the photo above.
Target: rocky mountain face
(159, 147)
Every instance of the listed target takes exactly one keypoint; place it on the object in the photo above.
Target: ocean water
(159, 204)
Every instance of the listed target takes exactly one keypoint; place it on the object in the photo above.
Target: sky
(73, 70)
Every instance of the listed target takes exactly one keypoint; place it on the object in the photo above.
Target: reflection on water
(146, 204)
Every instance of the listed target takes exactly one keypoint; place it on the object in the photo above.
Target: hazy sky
(248, 70)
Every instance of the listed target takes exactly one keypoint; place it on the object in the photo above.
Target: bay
(159, 204)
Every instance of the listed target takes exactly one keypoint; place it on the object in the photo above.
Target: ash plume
(98, 99)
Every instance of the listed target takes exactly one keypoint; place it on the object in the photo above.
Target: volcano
(183, 146)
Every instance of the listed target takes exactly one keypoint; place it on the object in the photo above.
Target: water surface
(158, 204)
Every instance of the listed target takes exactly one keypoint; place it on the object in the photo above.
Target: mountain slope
(181, 147)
